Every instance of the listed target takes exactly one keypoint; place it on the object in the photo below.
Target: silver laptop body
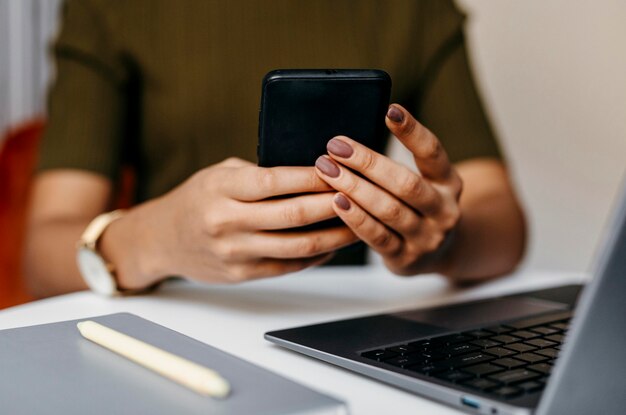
(589, 375)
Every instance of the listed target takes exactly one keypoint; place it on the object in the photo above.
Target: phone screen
(301, 110)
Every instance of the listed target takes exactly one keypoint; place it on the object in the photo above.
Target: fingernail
(339, 148)
(327, 167)
(395, 114)
(342, 201)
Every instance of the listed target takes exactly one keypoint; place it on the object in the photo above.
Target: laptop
(549, 352)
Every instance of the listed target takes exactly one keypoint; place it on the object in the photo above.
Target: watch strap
(96, 227)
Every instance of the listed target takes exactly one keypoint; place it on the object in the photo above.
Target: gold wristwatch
(96, 271)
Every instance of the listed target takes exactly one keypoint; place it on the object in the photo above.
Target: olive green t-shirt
(172, 86)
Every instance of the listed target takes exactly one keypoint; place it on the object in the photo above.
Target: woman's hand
(405, 216)
(220, 226)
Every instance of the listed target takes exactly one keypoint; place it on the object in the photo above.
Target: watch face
(95, 272)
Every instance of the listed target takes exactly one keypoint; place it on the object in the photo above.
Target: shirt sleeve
(86, 102)
(448, 102)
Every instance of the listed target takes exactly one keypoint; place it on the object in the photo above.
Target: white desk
(234, 319)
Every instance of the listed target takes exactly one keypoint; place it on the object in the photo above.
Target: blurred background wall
(553, 76)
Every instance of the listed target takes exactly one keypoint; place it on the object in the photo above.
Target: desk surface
(234, 319)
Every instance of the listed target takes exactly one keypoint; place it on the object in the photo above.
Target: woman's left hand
(405, 216)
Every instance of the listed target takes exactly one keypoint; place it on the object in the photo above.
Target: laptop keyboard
(505, 361)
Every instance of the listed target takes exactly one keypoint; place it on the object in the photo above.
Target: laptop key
(468, 359)
(379, 354)
(454, 376)
(507, 391)
(515, 376)
(404, 361)
(531, 357)
(531, 386)
(485, 343)
(560, 326)
(540, 343)
(505, 338)
(525, 334)
(433, 356)
(551, 353)
(428, 368)
(556, 338)
(457, 349)
(499, 329)
(500, 351)
(545, 330)
(520, 347)
(420, 344)
(480, 383)
(509, 362)
(483, 369)
(403, 349)
(542, 368)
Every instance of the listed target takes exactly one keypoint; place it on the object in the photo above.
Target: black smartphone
(301, 109)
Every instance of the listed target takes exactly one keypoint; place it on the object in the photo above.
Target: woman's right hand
(221, 225)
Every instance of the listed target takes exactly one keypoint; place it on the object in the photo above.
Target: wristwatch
(96, 271)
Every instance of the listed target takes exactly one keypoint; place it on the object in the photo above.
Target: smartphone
(302, 109)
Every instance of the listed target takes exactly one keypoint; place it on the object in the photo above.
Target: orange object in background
(18, 152)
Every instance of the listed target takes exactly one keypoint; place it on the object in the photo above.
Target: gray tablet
(52, 369)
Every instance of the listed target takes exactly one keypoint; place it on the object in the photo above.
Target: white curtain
(26, 28)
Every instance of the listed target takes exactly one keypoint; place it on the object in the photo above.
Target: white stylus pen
(192, 375)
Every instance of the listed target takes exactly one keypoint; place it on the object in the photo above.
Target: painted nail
(339, 148)
(342, 201)
(395, 114)
(327, 167)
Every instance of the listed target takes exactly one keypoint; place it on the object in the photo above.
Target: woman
(172, 89)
